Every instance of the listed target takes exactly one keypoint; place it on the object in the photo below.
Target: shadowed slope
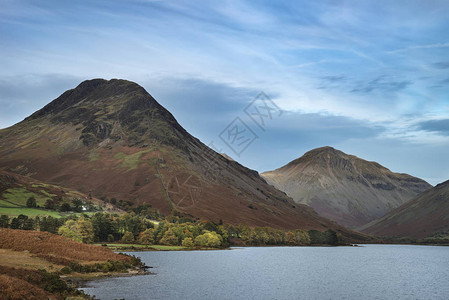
(424, 216)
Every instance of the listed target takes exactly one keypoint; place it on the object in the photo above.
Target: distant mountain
(344, 188)
(112, 139)
(425, 216)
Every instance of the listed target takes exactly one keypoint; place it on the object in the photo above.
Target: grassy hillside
(16, 190)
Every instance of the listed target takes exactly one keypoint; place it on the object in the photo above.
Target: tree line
(174, 230)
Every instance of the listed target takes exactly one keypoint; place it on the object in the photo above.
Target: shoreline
(80, 280)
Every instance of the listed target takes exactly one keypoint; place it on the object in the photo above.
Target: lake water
(368, 272)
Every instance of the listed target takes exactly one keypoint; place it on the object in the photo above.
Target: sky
(370, 78)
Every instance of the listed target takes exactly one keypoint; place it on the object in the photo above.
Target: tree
(31, 202)
(290, 238)
(15, 223)
(110, 238)
(209, 239)
(68, 230)
(128, 238)
(4, 221)
(28, 224)
(169, 238)
(102, 225)
(64, 207)
(50, 224)
(187, 242)
(331, 237)
(147, 237)
(302, 237)
(80, 230)
(77, 205)
(21, 222)
(86, 230)
(49, 204)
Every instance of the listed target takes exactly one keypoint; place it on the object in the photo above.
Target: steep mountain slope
(424, 216)
(112, 139)
(344, 188)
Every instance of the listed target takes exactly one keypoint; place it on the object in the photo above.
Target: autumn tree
(147, 237)
(209, 239)
(302, 237)
(169, 238)
(187, 242)
(290, 238)
(80, 230)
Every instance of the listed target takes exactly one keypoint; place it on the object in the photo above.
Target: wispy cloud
(418, 47)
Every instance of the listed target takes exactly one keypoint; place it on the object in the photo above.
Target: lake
(367, 272)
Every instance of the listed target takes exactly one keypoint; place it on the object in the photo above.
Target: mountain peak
(94, 91)
(325, 149)
(117, 109)
(322, 154)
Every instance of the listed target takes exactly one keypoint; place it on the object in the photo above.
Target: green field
(30, 212)
(34, 212)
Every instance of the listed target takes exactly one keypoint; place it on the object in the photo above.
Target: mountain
(427, 215)
(114, 140)
(344, 188)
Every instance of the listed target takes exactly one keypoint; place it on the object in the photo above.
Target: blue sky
(370, 78)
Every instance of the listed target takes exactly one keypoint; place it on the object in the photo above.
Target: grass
(4, 203)
(163, 247)
(26, 260)
(34, 212)
(144, 247)
(30, 212)
(131, 161)
(94, 156)
(50, 195)
(20, 196)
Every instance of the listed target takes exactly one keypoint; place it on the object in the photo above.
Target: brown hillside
(425, 216)
(54, 247)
